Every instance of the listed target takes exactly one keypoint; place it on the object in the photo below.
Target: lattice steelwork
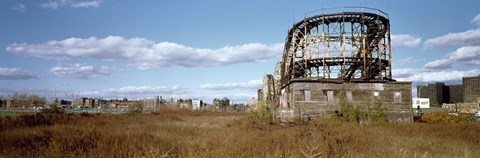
(339, 47)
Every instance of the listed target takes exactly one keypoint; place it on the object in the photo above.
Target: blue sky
(205, 49)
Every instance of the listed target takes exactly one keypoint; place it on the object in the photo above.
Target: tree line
(20, 99)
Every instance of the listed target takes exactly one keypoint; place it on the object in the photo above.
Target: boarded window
(329, 95)
(349, 95)
(299, 95)
(397, 97)
(306, 94)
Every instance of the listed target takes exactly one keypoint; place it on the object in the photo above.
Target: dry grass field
(182, 133)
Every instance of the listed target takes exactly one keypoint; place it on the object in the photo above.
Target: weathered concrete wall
(323, 99)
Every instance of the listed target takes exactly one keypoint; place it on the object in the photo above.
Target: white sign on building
(421, 102)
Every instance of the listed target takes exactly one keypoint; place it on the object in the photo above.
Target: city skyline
(205, 50)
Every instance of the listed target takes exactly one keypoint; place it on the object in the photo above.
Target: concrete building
(89, 102)
(323, 99)
(471, 91)
(437, 92)
(152, 103)
(124, 103)
(455, 93)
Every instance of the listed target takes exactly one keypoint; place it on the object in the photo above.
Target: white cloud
(55, 4)
(406, 72)
(50, 5)
(135, 91)
(86, 4)
(469, 55)
(83, 71)
(19, 8)
(15, 74)
(405, 41)
(469, 37)
(250, 85)
(146, 54)
(476, 20)
(438, 64)
(423, 75)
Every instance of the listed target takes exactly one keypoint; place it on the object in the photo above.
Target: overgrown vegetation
(348, 112)
(21, 99)
(441, 117)
(376, 113)
(260, 116)
(373, 113)
(185, 133)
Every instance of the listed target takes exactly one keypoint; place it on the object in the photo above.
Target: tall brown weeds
(184, 133)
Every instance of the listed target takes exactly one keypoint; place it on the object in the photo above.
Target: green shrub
(348, 112)
(376, 113)
(261, 116)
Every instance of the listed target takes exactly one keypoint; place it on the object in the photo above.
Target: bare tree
(72, 95)
(37, 100)
(18, 99)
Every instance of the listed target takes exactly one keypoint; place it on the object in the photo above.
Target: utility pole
(33, 97)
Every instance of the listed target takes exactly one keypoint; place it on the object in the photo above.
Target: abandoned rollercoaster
(338, 47)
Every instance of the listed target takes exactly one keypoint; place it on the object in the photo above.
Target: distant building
(89, 102)
(439, 93)
(184, 103)
(455, 93)
(196, 104)
(152, 103)
(471, 89)
(124, 103)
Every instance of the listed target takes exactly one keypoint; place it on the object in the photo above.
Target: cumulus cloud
(83, 71)
(405, 41)
(55, 4)
(423, 75)
(469, 55)
(146, 54)
(250, 85)
(438, 64)
(476, 20)
(406, 72)
(135, 91)
(15, 74)
(469, 37)
(19, 8)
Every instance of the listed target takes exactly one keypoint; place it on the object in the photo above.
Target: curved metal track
(338, 47)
